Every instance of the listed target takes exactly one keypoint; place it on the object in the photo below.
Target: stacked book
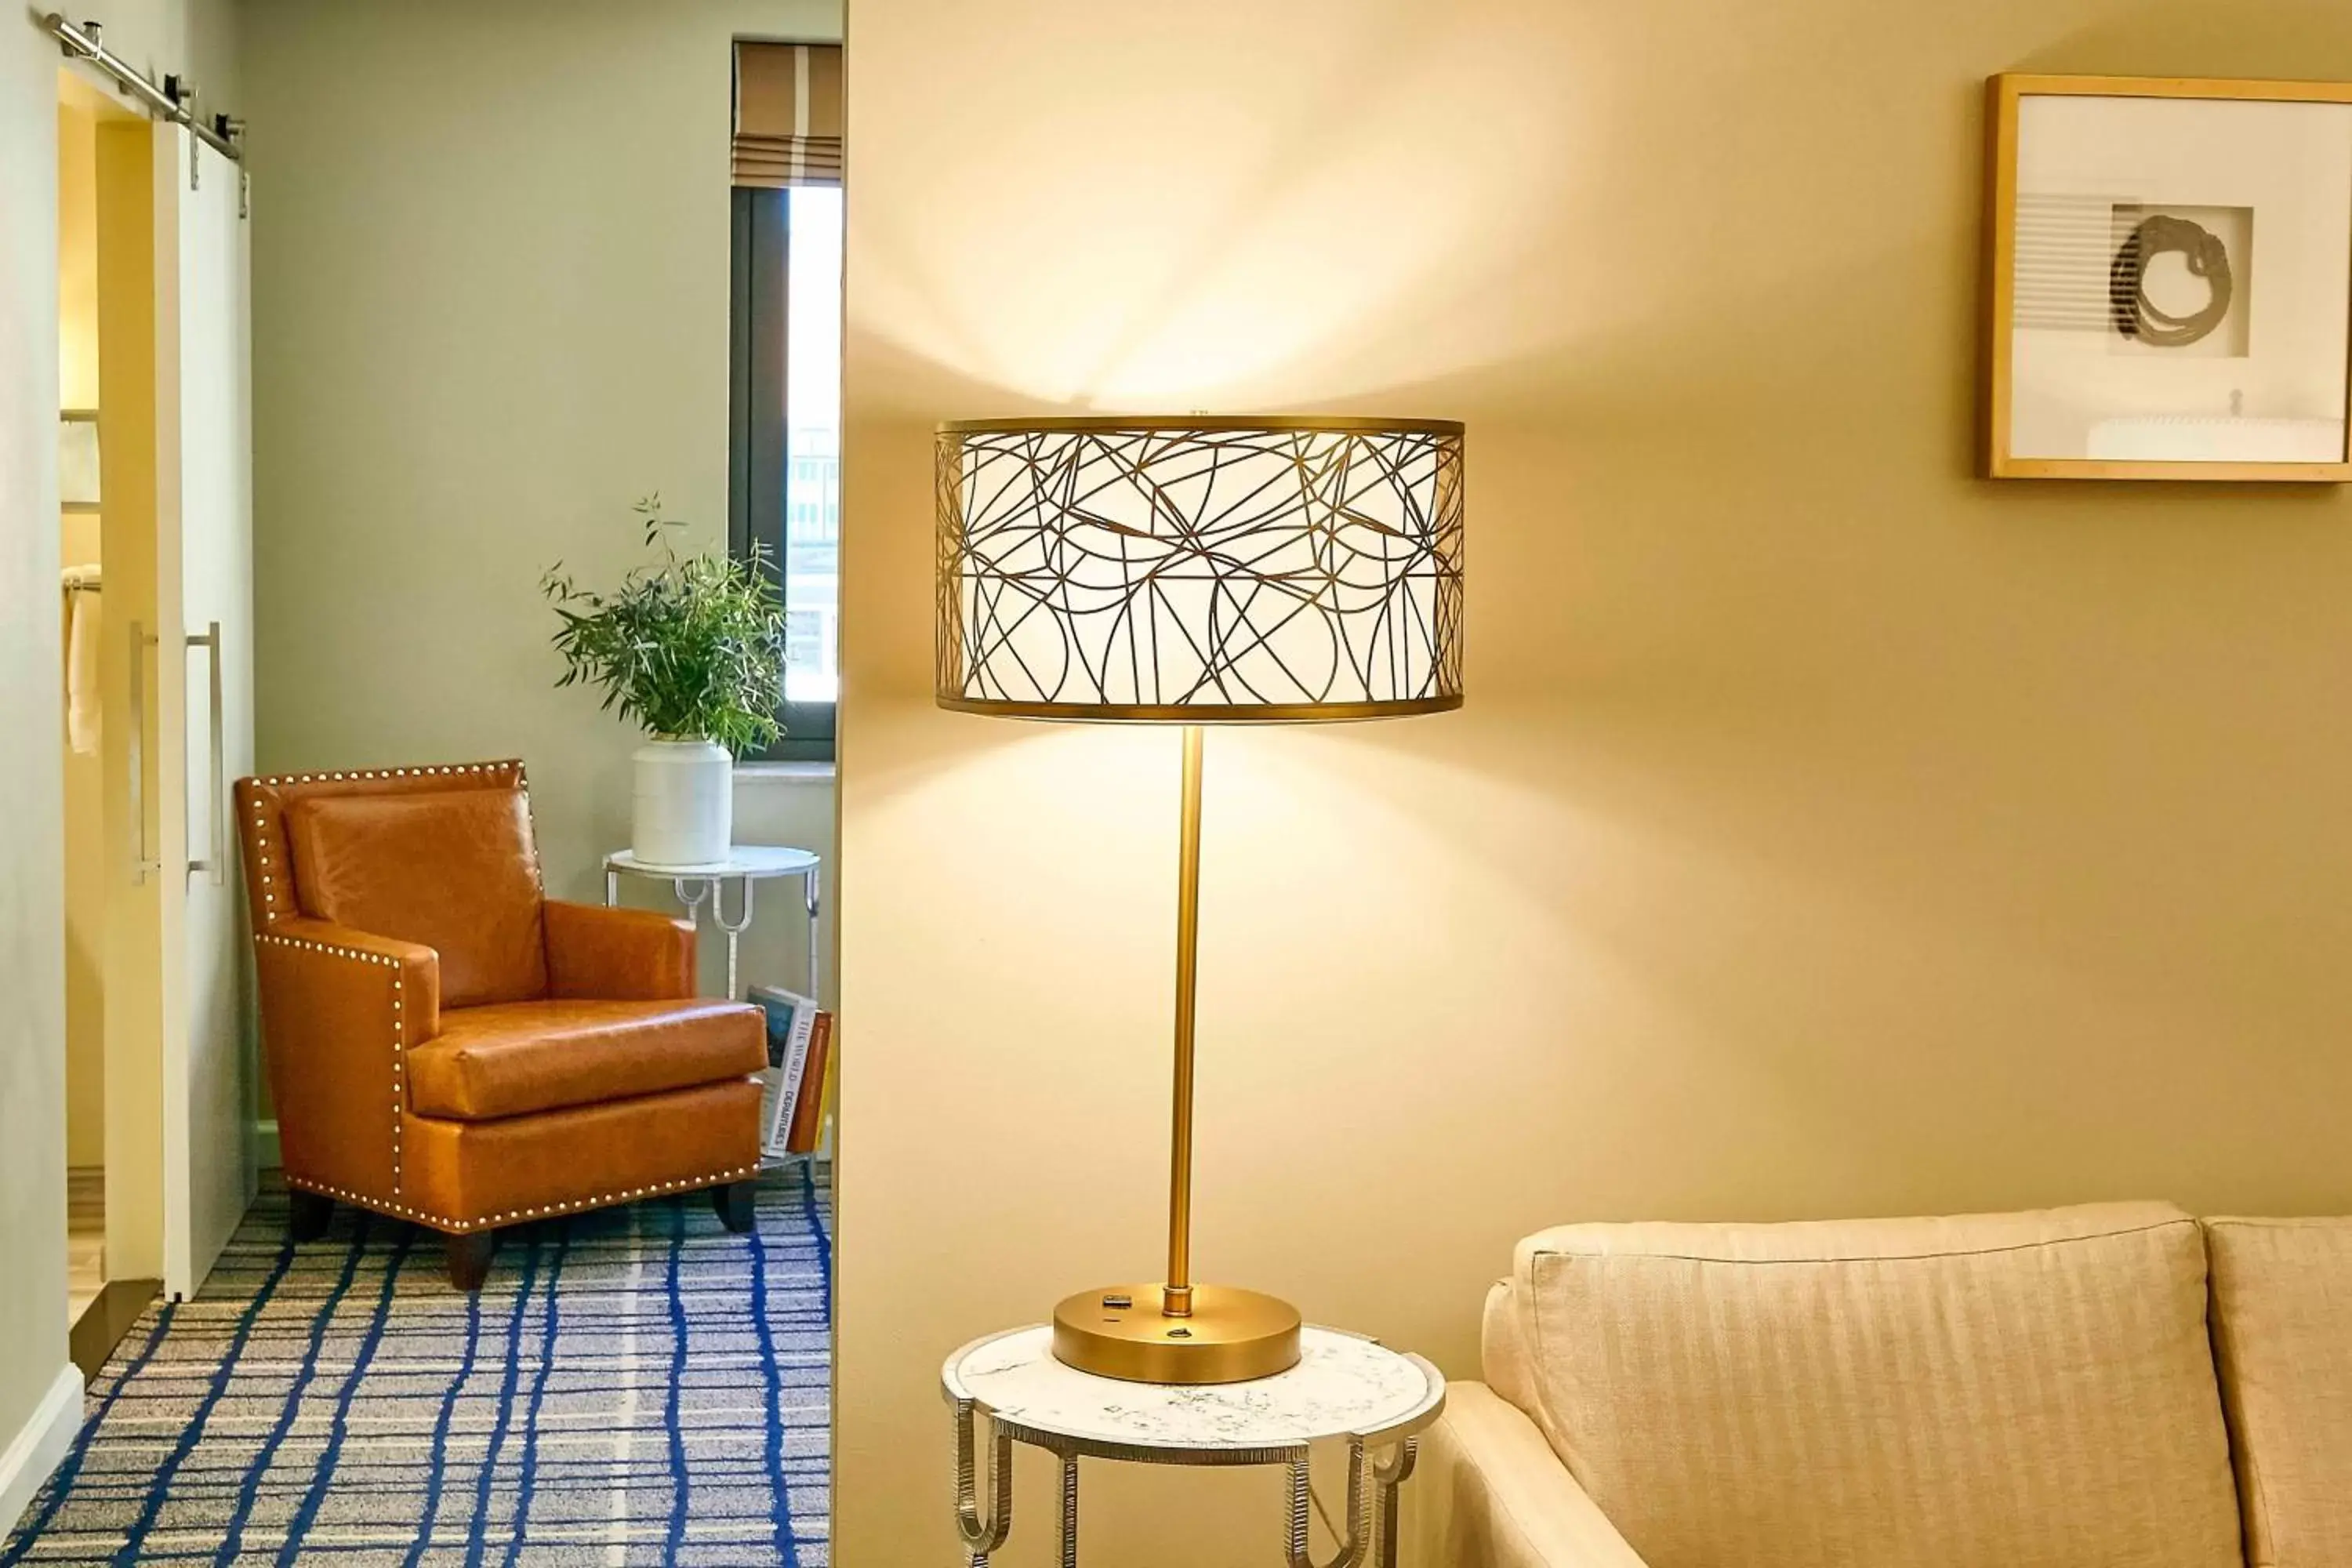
(799, 1048)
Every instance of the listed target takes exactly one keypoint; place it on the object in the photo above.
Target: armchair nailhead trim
(261, 850)
(359, 954)
(545, 1211)
(357, 775)
(399, 1077)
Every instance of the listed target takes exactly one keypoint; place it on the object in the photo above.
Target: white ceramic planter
(685, 803)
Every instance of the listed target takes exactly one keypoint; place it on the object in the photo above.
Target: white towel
(82, 631)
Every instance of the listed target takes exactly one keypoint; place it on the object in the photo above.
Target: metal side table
(749, 864)
(1344, 1387)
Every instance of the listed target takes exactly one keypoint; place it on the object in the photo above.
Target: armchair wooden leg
(733, 1202)
(308, 1215)
(469, 1259)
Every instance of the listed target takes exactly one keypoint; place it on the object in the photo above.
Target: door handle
(215, 860)
(142, 862)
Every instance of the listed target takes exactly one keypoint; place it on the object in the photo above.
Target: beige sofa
(2112, 1386)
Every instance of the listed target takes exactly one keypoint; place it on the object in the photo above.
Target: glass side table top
(743, 861)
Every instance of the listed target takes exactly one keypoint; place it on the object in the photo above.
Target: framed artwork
(77, 464)
(2169, 279)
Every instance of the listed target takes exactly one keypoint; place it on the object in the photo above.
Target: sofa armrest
(1492, 1494)
(339, 1010)
(617, 955)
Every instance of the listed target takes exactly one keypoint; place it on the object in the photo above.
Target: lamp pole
(1176, 1301)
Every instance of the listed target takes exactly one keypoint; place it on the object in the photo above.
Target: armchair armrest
(617, 955)
(1492, 1494)
(340, 1009)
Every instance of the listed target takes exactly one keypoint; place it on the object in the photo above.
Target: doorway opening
(106, 383)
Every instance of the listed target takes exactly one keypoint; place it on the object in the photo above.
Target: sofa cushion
(2018, 1391)
(454, 869)
(2283, 1322)
(517, 1057)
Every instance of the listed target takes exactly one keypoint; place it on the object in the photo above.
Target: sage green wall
(196, 38)
(491, 310)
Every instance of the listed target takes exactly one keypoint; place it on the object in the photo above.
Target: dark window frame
(758, 429)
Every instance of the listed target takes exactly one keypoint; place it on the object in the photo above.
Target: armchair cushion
(514, 1058)
(456, 871)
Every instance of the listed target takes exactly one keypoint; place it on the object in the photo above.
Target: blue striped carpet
(631, 1386)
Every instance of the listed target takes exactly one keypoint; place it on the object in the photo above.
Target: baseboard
(35, 1451)
(261, 1139)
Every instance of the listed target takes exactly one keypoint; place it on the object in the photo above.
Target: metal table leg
(693, 892)
(1390, 1474)
(1069, 1510)
(1372, 1485)
(1359, 1538)
(812, 892)
(734, 929)
(702, 888)
(981, 1536)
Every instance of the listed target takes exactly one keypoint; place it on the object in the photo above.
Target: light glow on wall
(1243, 264)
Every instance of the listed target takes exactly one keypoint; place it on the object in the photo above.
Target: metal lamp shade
(1201, 570)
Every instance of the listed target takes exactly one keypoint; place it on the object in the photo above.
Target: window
(785, 481)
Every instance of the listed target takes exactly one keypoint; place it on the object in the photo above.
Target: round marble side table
(1344, 1387)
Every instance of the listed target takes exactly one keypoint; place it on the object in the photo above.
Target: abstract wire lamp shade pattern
(1200, 570)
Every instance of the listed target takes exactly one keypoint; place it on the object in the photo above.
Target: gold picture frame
(2087, 279)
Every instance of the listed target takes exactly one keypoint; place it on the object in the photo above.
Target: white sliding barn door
(205, 603)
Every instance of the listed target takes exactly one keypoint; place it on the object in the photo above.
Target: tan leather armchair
(448, 1045)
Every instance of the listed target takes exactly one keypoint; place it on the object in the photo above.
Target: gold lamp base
(1231, 1336)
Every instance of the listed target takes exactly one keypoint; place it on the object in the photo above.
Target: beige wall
(491, 310)
(192, 37)
(1828, 831)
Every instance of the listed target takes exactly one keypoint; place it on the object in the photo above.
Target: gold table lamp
(1197, 571)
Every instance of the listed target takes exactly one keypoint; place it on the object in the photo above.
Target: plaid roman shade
(788, 119)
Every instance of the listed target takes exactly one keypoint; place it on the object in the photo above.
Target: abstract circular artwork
(2205, 257)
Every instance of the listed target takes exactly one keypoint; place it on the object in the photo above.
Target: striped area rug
(631, 1386)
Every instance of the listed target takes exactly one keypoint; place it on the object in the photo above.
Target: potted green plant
(691, 650)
